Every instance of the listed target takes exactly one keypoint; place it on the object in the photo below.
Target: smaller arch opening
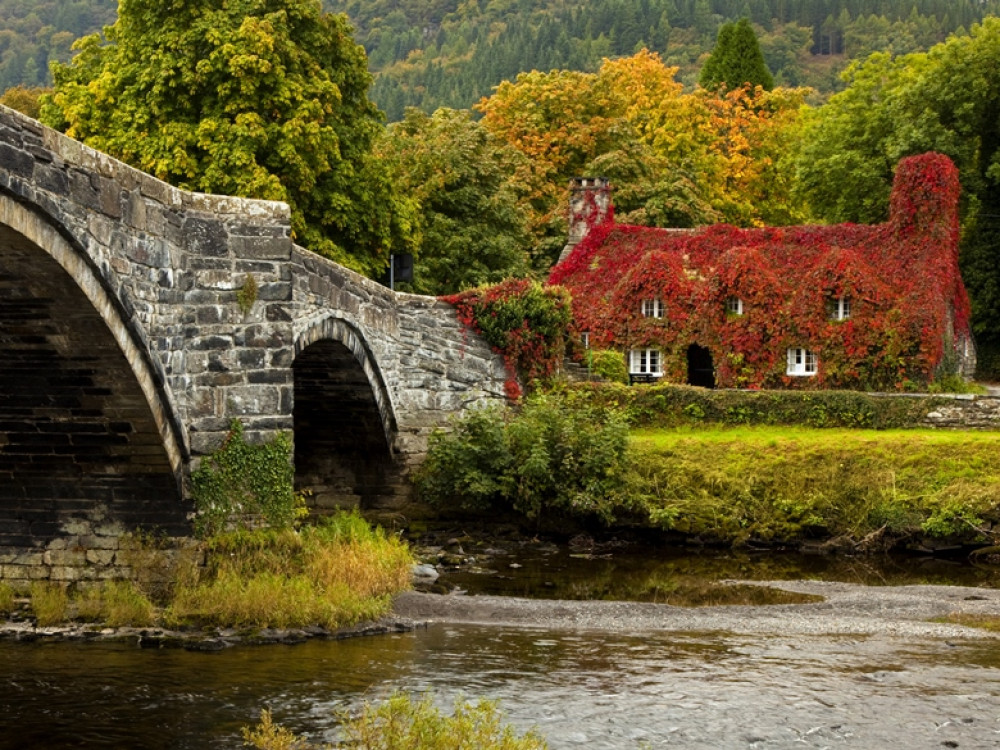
(701, 369)
(343, 451)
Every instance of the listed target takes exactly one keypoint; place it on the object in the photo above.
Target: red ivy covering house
(845, 306)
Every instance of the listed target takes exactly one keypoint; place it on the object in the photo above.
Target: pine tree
(736, 60)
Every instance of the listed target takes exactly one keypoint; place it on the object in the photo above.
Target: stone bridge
(137, 321)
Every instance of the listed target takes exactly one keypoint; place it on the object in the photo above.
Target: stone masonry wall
(163, 270)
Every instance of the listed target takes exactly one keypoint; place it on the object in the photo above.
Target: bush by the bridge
(245, 486)
(553, 455)
(526, 323)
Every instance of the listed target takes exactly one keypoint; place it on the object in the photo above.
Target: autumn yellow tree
(674, 158)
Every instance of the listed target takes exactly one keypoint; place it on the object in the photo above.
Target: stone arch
(345, 426)
(47, 236)
(88, 443)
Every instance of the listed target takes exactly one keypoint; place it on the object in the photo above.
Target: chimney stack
(589, 206)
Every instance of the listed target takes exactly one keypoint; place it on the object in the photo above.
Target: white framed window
(652, 308)
(840, 308)
(734, 306)
(585, 339)
(802, 362)
(645, 362)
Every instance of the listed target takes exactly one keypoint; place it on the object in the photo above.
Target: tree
(470, 222)
(945, 100)
(24, 99)
(736, 60)
(257, 98)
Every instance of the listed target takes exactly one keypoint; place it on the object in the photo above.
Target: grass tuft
(402, 722)
(50, 603)
(6, 598)
(336, 573)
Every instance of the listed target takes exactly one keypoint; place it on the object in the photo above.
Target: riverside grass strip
(875, 489)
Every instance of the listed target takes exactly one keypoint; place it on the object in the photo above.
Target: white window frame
(585, 339)
(734, 306)
(841, 308)
(645, 362)
(802, 362)
(652, 308)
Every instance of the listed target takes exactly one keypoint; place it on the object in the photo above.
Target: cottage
(877, 307)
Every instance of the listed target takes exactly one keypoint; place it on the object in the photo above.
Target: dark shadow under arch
(700, 368)
(344, 425)
(81, 452)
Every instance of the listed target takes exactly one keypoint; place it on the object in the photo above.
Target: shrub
(526, 323)
(401, 723)
(668, 405)
(243, 485)
(553, 455)
(608, 364)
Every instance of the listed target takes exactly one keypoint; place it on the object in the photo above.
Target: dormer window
(840, 308)
(802, 362)
(652, 308)
(734, 306)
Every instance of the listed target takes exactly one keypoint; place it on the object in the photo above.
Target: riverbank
(846, 609)
(209, 639)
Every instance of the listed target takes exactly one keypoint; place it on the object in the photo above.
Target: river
(580, 689)
(711, 685)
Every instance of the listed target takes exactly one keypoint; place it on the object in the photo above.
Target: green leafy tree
(736, 60)
(472, 228)
(945, 100)
(257, 98)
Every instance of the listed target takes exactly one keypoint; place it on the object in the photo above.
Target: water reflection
(594, 690)
(651, 574)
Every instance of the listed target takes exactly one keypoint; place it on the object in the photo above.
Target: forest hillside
(434, 53)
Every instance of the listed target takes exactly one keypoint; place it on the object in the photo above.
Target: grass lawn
(733, 484)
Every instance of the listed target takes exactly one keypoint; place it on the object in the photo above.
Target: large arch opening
(82, 455)
(344, 429)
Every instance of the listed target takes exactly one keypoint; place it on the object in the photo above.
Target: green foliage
(50, 603)
(434, 54)
(470, 221)
(257, 98)
(785, 485)
(678, 405)
(243, 485)
(403, 723)
(554, 456)
(336, 573)
(944, 100)
(608, 364)
(524, 321)
(6, 598)
(736, 60)
(246, 295)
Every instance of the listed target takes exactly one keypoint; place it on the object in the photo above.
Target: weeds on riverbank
(7, 596)
(336, 573)
(560, 457)
(781, 484)
(402, 723)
